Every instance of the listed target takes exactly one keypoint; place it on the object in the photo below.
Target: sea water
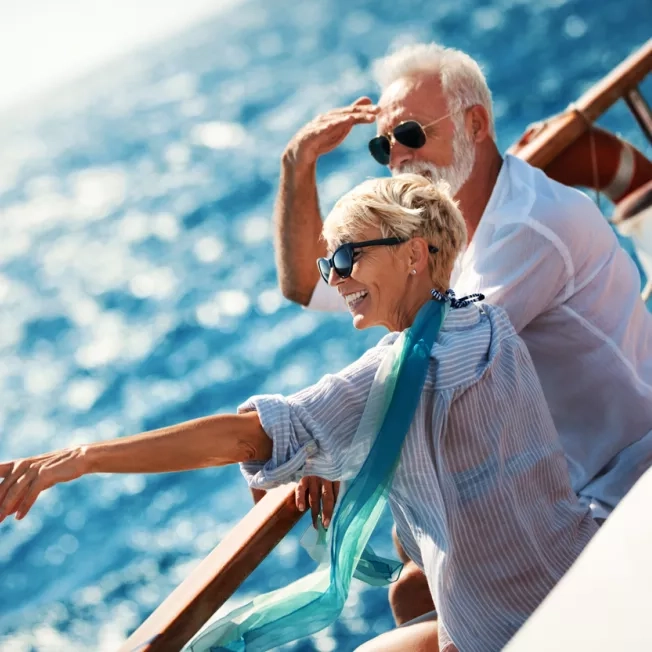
(138, 288)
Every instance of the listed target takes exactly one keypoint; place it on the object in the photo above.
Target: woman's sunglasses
(409, 133)
(345, 255)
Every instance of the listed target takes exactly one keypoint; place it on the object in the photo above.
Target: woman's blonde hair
(404, 206)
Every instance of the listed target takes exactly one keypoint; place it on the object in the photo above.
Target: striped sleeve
(312, 430)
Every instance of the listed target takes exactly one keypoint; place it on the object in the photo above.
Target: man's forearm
(211, 441)
(298, 227)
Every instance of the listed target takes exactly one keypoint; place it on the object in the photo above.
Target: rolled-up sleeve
(312, 430)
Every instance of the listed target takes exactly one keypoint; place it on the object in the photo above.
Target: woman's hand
(317, 490)
(310, 490)
(23, 480)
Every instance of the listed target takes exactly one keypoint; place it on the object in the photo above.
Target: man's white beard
(456, 174)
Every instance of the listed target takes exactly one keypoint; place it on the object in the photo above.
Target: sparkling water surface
(137, 284)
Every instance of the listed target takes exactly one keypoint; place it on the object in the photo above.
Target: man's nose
(399, 155)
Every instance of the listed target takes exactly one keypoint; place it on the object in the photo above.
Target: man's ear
(478, 123)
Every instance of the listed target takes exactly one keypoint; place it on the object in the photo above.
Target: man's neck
(474, 195)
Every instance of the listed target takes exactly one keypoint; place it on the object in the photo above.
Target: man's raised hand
(328, 130)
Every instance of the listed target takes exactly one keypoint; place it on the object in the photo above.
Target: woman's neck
(414, 300)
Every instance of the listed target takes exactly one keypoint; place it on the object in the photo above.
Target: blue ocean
(138, 287)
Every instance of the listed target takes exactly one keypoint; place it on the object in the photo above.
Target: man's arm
(211, 441)
(297, 218)
(298, 227)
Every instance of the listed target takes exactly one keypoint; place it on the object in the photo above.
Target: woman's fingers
(314, 495)
(300, 494)
(320, 495)
(35, 474)
(26, 503)
(16, 490)
(327, 502)
(11, 472)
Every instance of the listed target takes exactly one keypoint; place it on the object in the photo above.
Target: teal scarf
(315, 601)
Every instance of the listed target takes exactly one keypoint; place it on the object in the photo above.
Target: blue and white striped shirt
(481, 497)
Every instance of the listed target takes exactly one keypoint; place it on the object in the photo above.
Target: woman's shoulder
(500, 324)
(463, 355)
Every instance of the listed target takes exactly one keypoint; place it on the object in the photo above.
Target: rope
(594, 157)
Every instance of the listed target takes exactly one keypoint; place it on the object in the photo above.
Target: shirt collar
(500, 187)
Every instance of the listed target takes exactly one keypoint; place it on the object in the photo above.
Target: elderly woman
(445, 417)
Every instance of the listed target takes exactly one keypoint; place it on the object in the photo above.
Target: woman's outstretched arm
(210, 441)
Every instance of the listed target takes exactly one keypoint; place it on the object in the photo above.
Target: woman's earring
(414, 271)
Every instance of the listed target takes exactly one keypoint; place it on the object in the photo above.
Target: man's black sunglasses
(345, 255)
(409, 133)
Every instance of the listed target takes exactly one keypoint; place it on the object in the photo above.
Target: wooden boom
(216, 578)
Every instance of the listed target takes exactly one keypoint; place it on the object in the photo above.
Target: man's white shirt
(544, 252)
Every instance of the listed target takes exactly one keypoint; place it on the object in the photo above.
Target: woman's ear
(418, 258)
(478, 123)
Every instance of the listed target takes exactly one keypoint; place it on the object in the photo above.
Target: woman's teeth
(354, 298)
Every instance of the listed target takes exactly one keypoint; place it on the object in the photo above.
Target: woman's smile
(354, 299)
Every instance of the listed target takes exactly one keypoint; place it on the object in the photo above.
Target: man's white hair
(462, 80)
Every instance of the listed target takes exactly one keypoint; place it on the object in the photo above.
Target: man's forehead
(414, 97)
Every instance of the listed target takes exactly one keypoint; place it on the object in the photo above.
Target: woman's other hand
(314, 491)
(23, 480)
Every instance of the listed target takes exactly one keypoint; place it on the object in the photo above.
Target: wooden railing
(557, 133)
(217, 577)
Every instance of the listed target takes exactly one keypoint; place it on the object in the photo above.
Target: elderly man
(537, 248)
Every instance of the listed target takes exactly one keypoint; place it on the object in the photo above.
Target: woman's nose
(334, 278)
